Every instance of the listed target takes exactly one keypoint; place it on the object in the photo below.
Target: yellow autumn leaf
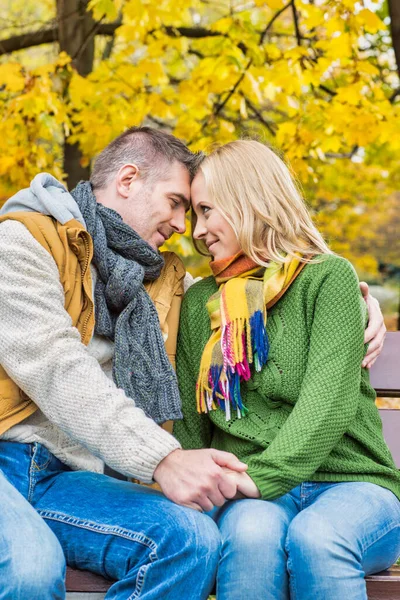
(350, 94)
(105, 8)
(12, 77)
(370, 21)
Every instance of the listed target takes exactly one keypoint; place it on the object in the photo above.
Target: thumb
(226, 459)
(364, 288)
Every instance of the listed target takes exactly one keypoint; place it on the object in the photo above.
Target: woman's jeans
(316, 542)
(32, 563)
(153, 548)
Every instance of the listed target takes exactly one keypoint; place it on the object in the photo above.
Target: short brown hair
(153, 152)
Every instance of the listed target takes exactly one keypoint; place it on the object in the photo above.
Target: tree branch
(192, 32)
(394, 95)
(259, 116)
(221, 105)
(28, 40)
(49, 34)
(272, 21)
(296, 22)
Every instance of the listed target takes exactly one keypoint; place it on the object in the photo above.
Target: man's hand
(196, 478)
(376, 330)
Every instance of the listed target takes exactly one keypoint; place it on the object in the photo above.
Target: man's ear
(127, 175)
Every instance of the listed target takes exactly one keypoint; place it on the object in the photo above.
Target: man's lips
(166, 236)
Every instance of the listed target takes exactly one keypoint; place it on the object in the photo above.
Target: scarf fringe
(241, 345)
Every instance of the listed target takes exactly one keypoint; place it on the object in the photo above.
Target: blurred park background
(317, 79)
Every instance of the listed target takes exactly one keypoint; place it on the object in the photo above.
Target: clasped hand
(202, 479)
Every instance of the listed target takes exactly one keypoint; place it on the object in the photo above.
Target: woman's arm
(194, 431)
(330, 391)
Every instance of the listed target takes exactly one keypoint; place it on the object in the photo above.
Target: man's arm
(43, 353)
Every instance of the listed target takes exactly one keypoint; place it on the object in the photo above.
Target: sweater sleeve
(194, 431)
(42, 352)
(330, 391)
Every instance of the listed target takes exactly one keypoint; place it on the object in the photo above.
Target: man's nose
(179, 221)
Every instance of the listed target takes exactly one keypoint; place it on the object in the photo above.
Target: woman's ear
(127, 175)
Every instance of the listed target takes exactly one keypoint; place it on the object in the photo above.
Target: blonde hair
(257, 195)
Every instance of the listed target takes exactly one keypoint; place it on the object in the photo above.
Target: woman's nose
(200, 230)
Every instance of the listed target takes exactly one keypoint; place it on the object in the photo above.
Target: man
(78, 392)
(61, 417)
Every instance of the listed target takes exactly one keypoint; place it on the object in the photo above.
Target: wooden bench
(385, 377)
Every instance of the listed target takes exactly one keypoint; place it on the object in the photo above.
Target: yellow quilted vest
(71, 247)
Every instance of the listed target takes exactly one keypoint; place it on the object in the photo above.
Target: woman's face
(212, 228)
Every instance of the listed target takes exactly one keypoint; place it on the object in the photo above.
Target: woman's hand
(376, 330)
(245, 486)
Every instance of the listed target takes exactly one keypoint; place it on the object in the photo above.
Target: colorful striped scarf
(238, 316)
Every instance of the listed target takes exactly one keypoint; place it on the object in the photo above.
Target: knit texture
(84, 417)
(312, 415)
(124, 311)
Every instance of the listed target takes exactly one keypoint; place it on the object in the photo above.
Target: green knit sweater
(312, 415)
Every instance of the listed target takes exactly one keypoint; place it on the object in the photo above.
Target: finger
(377, 342)
(226, 459)
(376, 329)
(369, 365)
(369, 361)
(364, 288)
(216, 497)
(228, 486)
(193, 505)
(205, 503)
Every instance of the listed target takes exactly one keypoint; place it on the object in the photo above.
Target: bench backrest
(385, 377)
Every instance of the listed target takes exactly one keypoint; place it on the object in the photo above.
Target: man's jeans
(32, 563)
(315, 543)
(153, 547)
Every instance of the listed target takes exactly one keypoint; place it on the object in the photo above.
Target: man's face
(157, 210)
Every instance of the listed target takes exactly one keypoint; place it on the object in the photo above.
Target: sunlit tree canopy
(316, 79)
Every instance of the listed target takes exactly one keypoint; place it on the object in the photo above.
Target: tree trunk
(394, 12)
(76, 35)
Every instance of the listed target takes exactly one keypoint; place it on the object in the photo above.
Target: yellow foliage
(317, 98)
(12, 77)
(370, 21)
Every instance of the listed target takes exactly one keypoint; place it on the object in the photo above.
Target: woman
(269, 363)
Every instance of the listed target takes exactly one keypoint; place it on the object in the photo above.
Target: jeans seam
(139, 582)
(386, 531)
(32, 473)
(103, 529)
(292, 578)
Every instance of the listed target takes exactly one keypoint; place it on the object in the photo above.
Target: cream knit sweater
(84, 419)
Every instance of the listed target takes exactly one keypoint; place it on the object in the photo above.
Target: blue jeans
(32, 563)
(318, 541)
(153, 548)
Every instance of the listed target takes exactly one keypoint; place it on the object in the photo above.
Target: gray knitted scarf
(124, 311)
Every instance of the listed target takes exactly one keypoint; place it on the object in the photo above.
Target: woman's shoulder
(323, 265)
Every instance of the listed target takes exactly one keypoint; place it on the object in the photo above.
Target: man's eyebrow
(182, 197)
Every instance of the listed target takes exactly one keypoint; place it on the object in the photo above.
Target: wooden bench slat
(85, 581)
